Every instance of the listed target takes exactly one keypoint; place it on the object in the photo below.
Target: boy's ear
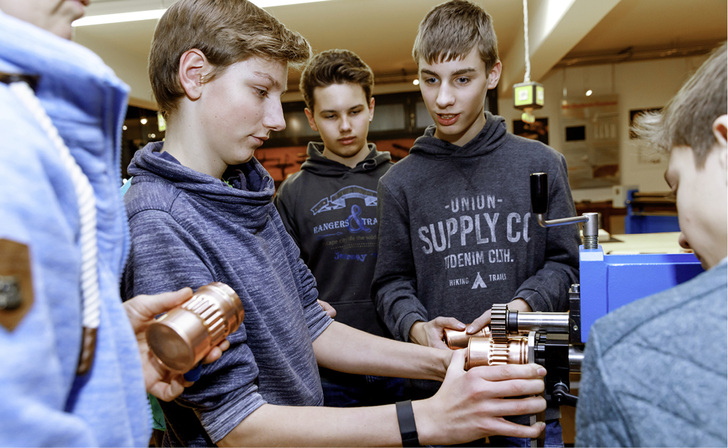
(192, 68)
(720, 132)
(371, 109)
(494, 75)
(720, 127)
(311, 121)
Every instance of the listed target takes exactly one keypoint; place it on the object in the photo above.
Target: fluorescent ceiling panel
(155, 14)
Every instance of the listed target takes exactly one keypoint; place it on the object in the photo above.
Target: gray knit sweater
(654, 371)
(189, 229)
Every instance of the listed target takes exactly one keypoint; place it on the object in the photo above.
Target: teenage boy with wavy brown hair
(201, 209)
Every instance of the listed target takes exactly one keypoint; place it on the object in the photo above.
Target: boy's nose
(274, 119)
(683, 242)
(444, 97)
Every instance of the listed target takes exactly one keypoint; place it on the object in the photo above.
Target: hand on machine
(524, 338)
(556, 340)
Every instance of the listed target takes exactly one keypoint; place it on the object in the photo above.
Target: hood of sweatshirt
(86, 102)
(247, 184)
(494, 132)
(317, 164)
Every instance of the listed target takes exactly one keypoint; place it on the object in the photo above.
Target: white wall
(638, 85)
(125, 67)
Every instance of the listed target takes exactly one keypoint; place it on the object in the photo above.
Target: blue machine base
(608, 282)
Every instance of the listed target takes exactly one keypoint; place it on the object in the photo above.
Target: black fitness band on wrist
(407, 426)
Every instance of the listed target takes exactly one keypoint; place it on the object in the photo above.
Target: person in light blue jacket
(75, 364)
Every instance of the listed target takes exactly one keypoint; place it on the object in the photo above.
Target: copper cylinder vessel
(182, 337)
(456, 339)
(486, 352)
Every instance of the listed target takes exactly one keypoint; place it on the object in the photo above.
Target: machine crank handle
(540, 206)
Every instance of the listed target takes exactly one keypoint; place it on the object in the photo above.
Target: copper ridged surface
(210, 314)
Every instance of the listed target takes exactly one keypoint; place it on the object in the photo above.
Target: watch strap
(407, 426)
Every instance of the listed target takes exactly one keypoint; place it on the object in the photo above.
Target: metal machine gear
(498, 316)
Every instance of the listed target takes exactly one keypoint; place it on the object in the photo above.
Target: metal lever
(562, 396)
(540, 205)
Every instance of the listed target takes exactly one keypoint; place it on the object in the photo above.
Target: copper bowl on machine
(456, 339)
(486, 352)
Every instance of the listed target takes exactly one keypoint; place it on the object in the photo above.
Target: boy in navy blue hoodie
(330, 209)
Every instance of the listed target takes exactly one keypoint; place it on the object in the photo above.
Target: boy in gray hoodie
(456, 231)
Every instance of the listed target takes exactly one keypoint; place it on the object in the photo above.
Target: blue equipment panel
(640, 220)
(608, 282)
(650, 223)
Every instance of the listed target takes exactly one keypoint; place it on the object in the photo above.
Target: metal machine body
(556, 340)
(608, 282)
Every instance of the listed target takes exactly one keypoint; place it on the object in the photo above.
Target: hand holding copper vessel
(183, 337)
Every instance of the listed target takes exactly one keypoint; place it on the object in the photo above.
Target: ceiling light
(416, 82)
(589, 92)
(156, 14)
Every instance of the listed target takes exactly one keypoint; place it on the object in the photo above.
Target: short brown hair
(226, 31)
(452, 29)
(687, 119)
(335, 67)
